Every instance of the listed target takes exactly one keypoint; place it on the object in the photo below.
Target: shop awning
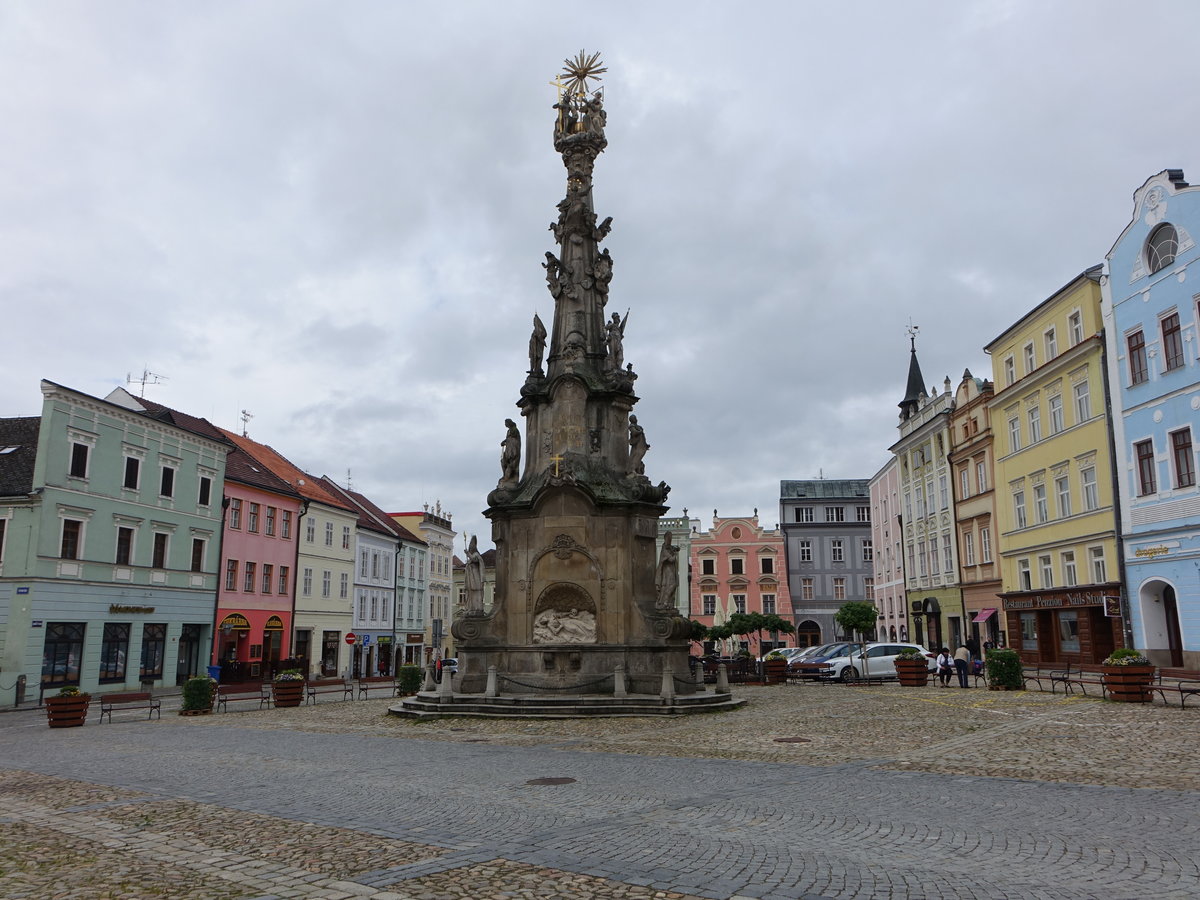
(235, 622)
(983, 615)
(274, 624)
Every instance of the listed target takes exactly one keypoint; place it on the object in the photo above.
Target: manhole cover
(793, 740)
(551, 781)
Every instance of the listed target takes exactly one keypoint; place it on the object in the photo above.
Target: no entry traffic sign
(351, 637)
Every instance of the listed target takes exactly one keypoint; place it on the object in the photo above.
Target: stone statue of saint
(510, 453)
(595, 118)
(614, 337)
(666, 579)
(637, 446)
(473, 577)
(553, 274)
(537, 345)
(602, 271)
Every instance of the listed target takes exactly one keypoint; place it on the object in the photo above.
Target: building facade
(437, 531)
(1152, 329)
(108, 547)
(829, 553)
(887, 528)
(1055, 508)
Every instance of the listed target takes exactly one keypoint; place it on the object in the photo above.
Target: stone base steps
(567, 706)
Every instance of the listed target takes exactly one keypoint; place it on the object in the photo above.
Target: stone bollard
(446, 687)
(491, 682)
(619, 682)
(429, 684)
(698, 676)
(722, 680)
(668, 684)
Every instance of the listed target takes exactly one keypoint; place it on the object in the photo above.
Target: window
(919, 492)
(1062, 490)
(806, 551)
(737, 566)
(344, 586)
(863, 513)
(1075, 327)
(283, 579)
(374, 564)
(1172, 342)
(964, 483)
(154, 642)
(166, 485)
(804, 514)
(72, 535)
(285, 526)
(1099, 570)
(985, 544)
(944, 491)
(1181, 454)
(1161, 247)
(328, 534)
(766, 565)
(837, 551)
(231, 573)
(1070, 576)
(124, 545)
(1035, 424)
(326, 583)
(204, 498)
(981, 477)
(310, 530)
(113, 652)
(1047, 570)
(251, 573)
(308, 581)
(160, 550)
(739, 603)
(1051, 341)
(839, 588)
(1019, 509)
(235, 513)
(868, 550)
(1014, 434)
(1024, 578)
(252, 519)
(1068, 631)
(133, 471)
(935, 566)
(869, 588)
(1083, 402)
(968, 548)
(345, 537)
(198, 554)
(1056, 413)
(364, 562)
(1040, 506)
(947, 554)
(79, 460)
(923, 559)
(835, 514)
(1029, 638)
(1030, 356)
(1135, 347)
(1091, 495)
(269, 527)
(806, 588)
(1010, 371)
(912, 562)
(267, 577)
(362, 606)
(708, 566)
(709, 603)
(1144, 453)
(768, 604)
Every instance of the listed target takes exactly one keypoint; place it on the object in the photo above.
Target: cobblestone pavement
(890, 793)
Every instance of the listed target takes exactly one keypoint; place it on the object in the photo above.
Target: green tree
(698, 633)
(857, 617)
(756, 623)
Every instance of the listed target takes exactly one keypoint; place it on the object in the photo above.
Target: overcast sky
(333, 215)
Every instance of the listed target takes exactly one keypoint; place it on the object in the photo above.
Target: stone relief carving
(574, 626)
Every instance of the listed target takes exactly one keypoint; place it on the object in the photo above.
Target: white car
(875, 661)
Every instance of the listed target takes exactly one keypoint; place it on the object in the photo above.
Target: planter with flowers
(68, 708)
(774, 668)
(288, 688)
(1127, 676)
(912, 667)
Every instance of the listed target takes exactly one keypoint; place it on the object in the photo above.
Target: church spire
(915, 389)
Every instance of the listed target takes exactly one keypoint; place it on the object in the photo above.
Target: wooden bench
(1036, 674)
(329, 686)
(131, 700)
(800, 672)
(233, 693)
(1183, 682)
(1081, 675)
(377, 682)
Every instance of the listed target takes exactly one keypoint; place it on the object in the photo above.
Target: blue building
(1151, 307)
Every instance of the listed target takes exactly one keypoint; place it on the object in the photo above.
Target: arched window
(1161, 247)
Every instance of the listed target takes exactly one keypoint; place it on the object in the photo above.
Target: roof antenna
(246, 417)
(349, 482)
(147, 378)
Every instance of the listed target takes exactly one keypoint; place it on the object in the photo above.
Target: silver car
(871, 661)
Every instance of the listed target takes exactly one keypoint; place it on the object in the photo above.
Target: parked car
(450, 664)
(873, 660)
(822, 654)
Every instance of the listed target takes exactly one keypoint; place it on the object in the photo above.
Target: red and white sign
(351, 637)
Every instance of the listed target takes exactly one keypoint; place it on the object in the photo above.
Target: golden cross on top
(556, 460)
(558, 83)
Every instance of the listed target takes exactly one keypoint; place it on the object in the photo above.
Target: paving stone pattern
(896, 793)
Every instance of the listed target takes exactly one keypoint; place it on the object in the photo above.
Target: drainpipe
(1126, 619)
(295, 580)
(212, 656)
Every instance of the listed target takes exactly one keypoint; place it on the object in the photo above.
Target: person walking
(962, 659)
(945, 665)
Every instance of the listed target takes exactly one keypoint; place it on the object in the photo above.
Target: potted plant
(774, 667)
(912, 667)
(199, 694)
(1004, 671)
(68, 708)
(288, 688)
(1127, 676)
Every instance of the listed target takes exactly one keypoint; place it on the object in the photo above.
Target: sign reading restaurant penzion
(1071, 598)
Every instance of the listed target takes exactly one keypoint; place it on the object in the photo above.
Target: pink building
(738, 566)
(886, 539)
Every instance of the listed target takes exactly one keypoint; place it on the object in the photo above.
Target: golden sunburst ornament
(578, 71)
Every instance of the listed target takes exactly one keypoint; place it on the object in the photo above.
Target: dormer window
(1161, 247)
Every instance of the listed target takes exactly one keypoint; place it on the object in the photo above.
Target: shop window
(1029, 635)
(154, 643)
(62, 652)
(113, 652)
(1068, 631)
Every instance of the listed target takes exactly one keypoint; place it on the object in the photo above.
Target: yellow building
(1055, 509)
